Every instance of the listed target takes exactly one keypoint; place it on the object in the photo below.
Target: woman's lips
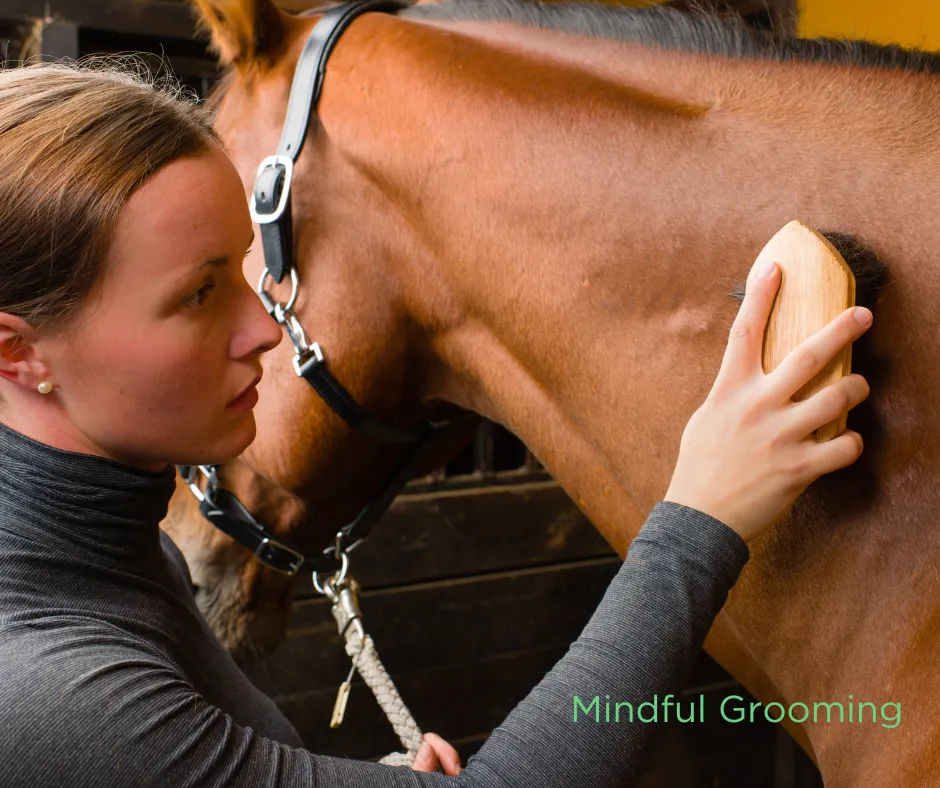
(247, 399)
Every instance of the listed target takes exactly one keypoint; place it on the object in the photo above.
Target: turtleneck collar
(80, 502)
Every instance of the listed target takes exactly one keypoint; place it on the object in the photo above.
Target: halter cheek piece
(270, 207)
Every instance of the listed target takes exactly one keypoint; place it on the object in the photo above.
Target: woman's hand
(434, 753)
(747, 453)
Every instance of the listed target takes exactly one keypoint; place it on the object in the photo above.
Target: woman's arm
(127, 717)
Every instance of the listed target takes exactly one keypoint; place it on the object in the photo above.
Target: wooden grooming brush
(816, 286)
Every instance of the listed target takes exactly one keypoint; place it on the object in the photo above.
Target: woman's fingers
(832, 455)
(745, 456)
(746, 341)
(425, 760)
(827, 405)
(811, 356)
(447, 755)
(434, 753)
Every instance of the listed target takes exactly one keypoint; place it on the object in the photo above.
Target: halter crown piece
(270, 207)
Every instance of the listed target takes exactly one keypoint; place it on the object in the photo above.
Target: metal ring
(340, 577)
(294, 287)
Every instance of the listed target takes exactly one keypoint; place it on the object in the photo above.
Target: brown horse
(537, 213)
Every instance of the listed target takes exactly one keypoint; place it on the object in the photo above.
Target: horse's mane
(669, 28)
(701, 30)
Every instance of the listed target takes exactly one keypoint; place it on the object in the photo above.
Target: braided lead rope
(370, 667)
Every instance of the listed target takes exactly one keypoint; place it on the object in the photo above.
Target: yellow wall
(907, 22)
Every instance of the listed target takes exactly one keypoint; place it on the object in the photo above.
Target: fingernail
(766, 269)
(862, 316)
(424, 751)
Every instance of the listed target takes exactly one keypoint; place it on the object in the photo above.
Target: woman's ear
(242, 32)
(18, 360)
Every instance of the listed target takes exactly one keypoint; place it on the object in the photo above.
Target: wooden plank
(455, 534)
(59, 40)
(286, 5)
(150, 17)
(470, 619)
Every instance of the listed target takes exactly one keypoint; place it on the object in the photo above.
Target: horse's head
(307, 472)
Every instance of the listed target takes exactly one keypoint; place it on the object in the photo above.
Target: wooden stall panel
(435, 536)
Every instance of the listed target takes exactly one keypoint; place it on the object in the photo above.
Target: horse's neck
(577, 273)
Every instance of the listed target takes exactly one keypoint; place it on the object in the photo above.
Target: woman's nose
(269, 333)
(259, 332)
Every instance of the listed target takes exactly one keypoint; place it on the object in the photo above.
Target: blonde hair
(76, 140)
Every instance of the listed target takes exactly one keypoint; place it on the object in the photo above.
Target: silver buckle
(272, 161)
(296, 563)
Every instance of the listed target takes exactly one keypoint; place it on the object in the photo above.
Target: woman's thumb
(423, 758)
(743, 353)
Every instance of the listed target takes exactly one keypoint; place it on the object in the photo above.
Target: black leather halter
(271, 209)
(271, 204)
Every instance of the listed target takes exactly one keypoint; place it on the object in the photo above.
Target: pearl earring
(45, 387)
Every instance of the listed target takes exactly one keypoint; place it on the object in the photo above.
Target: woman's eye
(198, 298)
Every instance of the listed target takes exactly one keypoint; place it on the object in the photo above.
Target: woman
(130, 343)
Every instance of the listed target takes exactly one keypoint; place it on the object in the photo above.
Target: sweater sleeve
(103, 710)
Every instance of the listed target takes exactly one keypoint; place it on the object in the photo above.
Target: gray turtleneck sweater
(110, 677)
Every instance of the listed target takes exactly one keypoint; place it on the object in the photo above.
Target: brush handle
(816, 286)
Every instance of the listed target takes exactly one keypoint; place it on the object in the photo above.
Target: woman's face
(172, 333)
